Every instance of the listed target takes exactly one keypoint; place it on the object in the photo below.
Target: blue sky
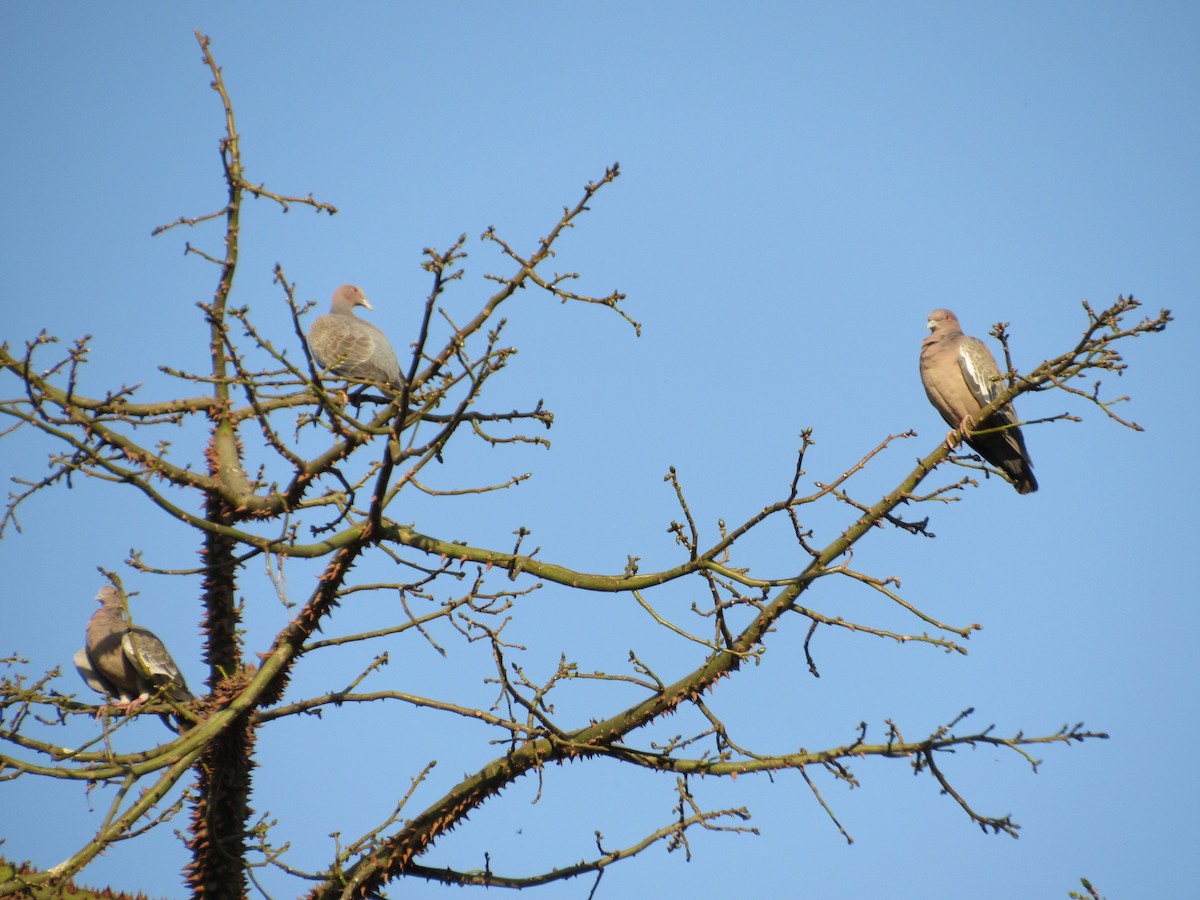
(801, 183)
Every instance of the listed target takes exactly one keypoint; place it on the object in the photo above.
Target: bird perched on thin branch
(961, 378)
(348, 346)
(127, 662)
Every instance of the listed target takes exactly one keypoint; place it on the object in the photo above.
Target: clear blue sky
(801, 184)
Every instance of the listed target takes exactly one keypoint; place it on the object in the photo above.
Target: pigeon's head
(347, 297)
(941, 318)
(108, 596)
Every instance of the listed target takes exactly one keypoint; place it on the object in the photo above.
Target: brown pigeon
(128, 663)
(961, 378)
(347, 346)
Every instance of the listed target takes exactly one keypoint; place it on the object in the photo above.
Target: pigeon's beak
(930, 325)
(363, 301)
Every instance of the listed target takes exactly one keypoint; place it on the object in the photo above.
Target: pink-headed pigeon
(128, 663)
(350, 347)
(961, 378)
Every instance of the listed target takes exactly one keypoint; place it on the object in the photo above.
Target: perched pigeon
(961, 377)
(350, 347)
(127, 663)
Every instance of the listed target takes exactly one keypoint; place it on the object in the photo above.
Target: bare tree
(333, 487)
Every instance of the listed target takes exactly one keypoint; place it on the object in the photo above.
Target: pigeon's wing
(352, 348)
(341, 345)
(979, 370)
(1005, 449)
(151, 658)
(383, 364)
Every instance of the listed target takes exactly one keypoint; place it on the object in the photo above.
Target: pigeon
(127, 663)
(961, 378)
(347, 346)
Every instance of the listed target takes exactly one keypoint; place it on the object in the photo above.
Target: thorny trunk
(222, 808)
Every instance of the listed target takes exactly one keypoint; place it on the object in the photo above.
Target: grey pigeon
(961, 378)
(127, 663)
(347, 346)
